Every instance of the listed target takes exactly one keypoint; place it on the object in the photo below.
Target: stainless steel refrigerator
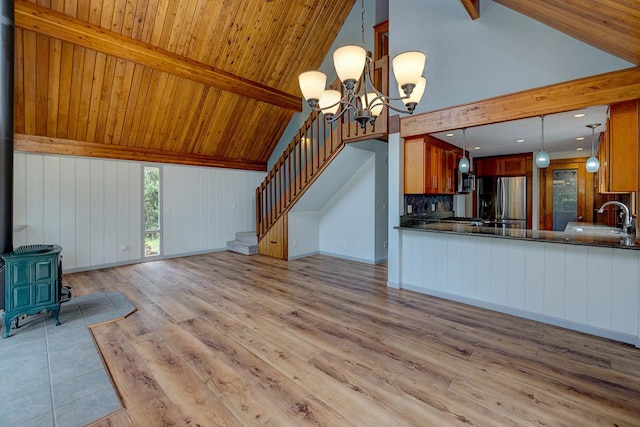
(502, 201)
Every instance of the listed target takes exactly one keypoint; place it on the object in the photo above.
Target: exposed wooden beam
(46, 145)
(63, 27)
(610, 25)
(473, 8)
(602, 89)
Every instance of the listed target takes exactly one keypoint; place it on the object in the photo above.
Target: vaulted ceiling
(191, 81)
(206, 82)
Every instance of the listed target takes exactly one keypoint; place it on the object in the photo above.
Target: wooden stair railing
(315, 145)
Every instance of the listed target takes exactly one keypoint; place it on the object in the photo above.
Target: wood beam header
(67, 147)
(49, 22)
(601, 89)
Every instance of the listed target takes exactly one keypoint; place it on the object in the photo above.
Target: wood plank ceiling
(192, 81)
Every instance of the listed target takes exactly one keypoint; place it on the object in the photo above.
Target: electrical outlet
(295, 243)
(384, 244)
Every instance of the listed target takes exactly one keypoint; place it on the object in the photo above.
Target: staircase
(315, 145)
(246, 243)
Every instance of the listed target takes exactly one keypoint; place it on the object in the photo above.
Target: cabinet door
(449, 170)
(485, 167)
(623, 147)
(414, 166)
(513, 166)
(432, 170)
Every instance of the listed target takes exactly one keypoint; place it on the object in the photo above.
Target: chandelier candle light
(354, 67)
(592, 162)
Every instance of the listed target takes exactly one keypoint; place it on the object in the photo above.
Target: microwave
(466, 182)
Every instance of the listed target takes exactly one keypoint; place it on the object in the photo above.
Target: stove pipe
(6, 133)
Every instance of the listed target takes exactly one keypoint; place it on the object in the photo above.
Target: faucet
(627, 218)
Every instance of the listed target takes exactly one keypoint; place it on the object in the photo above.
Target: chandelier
(354, 67)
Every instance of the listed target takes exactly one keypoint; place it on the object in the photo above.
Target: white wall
(304, 233)
(347, 221)
(499, 53)
(93, 208)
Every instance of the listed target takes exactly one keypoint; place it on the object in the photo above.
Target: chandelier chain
(362, 24)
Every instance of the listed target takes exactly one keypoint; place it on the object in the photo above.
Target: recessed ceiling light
(476, 148)
(580, 138)
(579, 149)
(577, 116)
(520, 140)
(449, 134)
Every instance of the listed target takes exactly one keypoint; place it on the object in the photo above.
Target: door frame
(586, 191)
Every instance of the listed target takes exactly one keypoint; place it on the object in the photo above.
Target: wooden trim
(602, 89)
(57, 25)
(67, 147)
(472, 7)
(586, 193)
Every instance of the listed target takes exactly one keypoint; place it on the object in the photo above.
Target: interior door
(566, 194)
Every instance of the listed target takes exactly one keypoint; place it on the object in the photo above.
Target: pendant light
(542, 157)
(463, 164)
(592, 162)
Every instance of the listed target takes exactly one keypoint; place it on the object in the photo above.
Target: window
(151, 221)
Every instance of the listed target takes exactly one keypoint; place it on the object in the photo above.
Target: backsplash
(421, 203)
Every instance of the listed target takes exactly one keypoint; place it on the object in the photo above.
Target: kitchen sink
(594, 229)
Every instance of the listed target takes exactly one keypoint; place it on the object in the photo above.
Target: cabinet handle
(273, 242)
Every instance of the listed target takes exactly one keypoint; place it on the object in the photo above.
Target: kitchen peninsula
(591, 287)
(589, 284)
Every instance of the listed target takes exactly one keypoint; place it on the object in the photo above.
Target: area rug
(53, 375)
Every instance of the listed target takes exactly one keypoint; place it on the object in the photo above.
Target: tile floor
(53, 375)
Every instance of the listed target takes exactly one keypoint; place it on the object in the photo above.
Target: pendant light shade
(593, 164)
(463, 164)
(349, 63)
(312, 86)
(412, 100)
(330, 102)
(407, 69)
(542, 157)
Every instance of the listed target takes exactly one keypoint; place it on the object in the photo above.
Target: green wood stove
(33, 282)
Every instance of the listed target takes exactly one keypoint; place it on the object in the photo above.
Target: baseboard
(308, 254)
(349, 258)
(138, 261)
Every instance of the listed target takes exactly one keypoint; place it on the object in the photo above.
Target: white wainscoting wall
(93, 208)
(586, 288)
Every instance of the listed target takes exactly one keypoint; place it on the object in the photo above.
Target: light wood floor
(225, 339)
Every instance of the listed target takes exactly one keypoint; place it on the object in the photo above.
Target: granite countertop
(571, 238)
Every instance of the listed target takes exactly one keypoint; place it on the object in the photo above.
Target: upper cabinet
(429, 166)
(618, 149)
(511, 165)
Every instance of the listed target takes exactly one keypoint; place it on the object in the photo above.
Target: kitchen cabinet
(512, 165)
(618, 149)
(429, 166)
